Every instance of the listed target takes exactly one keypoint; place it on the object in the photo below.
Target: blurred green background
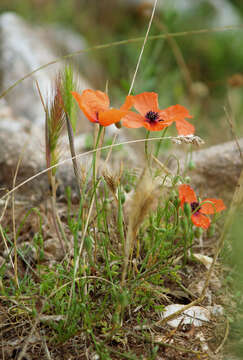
(203, 72)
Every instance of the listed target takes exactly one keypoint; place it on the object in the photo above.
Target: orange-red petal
(200, 220)
(133, 120)
(128, 103)
(186, 194)
(155, 126)
(184, 127)
(216, 205)
(111, 116)
(147, 101)
(91, 102)
(174, 113)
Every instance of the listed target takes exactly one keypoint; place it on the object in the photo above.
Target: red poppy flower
(95, 105)
(152, 118)
(187, 195)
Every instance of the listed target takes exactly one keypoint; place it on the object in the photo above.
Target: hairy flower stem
(98, 139)
(146, 147)
(160, 142)
(95, 157)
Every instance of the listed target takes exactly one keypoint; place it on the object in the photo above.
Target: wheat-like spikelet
(143, 200)
(187, 139)
(55, 118)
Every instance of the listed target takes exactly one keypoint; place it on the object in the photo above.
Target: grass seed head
(188, 139)
(143, 200)
(55, 117)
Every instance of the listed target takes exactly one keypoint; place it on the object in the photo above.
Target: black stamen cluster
(152, 116)
(194, 206)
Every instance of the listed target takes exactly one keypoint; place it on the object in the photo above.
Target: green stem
(95, 169)
(120, 218)
(95, 154)
(160, 142)
(146, 145)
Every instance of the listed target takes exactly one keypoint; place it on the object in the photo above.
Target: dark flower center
(152, 116)
(194, 206)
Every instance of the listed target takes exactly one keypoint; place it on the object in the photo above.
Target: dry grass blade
(27, 341)
(187, 139)
(119, 43)
(13, 220)
(4, 208)
(224, 338)
(143, 46)
(162, 166)
(178, 56)
(48, 355)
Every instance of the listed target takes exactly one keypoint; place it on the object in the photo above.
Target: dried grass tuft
(143, 200)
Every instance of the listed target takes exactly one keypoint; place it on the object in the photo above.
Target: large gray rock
(22, 50)
(24, 141)
(67, 41)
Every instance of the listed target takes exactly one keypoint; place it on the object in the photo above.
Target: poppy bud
(191, 165)
(187, 179)
(187, 209)
(127, 188)
(176, 179)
